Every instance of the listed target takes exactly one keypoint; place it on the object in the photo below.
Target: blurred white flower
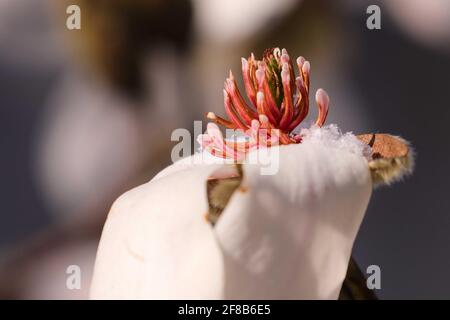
(425, 21)
(235, 20)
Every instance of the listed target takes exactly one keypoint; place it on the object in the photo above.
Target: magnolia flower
(211, 226)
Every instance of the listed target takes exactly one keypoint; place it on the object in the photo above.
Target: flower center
(278, 103)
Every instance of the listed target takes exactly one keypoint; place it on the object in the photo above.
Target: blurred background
(87, 114)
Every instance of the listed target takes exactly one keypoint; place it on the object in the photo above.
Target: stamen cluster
(278, 103)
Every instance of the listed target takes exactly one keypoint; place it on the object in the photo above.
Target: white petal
(156, 243)
(290, 235)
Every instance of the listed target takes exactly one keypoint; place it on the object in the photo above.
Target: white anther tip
(260, 96)
(306, 67)
(322, 97)
(263, 118)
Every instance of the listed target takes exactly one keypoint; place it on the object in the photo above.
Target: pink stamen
(229, 109)
(249, 88)
(287, 101)
(220, 121)
(263, 108)
(273, 111)
(322, 101)
(305, 72)
(302, 105)
(270, 124)
(244, 111)
(286, 59)
(218, 141)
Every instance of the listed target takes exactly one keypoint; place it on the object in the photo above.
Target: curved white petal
(290, 235)
(287, 235)
(157, 244)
